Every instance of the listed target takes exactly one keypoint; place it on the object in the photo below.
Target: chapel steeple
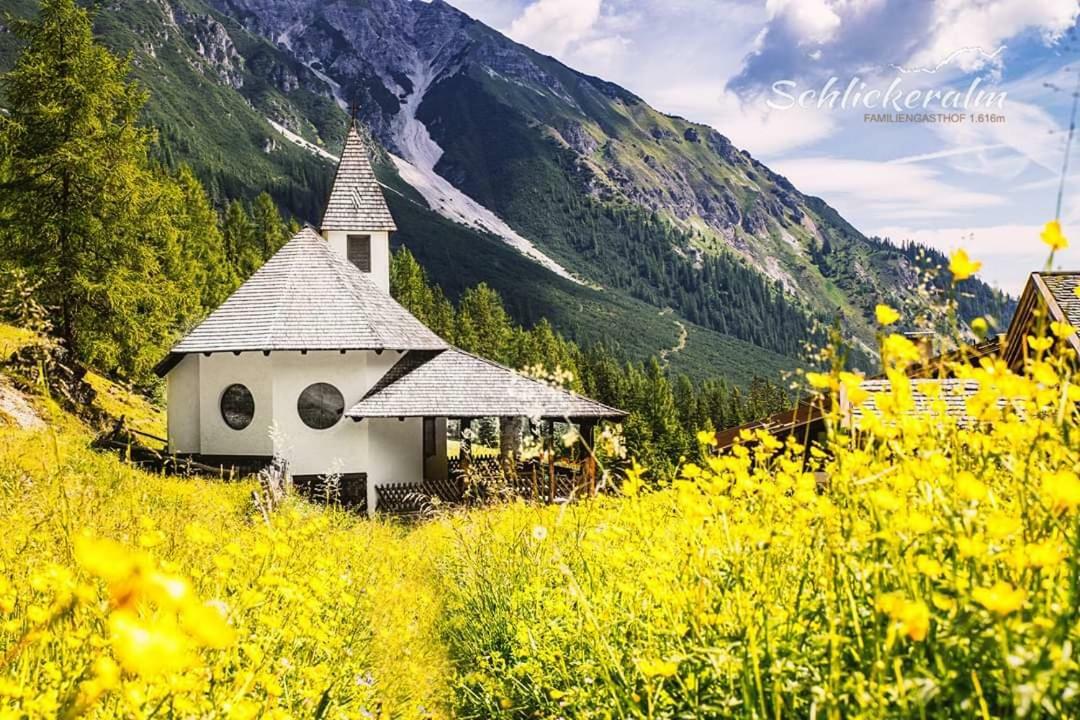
(357, 223)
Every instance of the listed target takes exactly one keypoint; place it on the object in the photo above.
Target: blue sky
(986, 187)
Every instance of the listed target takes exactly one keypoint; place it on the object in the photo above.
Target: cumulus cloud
(821, 37)
(552, 25)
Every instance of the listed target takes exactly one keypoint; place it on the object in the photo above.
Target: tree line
(665, 412)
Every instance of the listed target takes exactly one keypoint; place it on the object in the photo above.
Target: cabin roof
(458, 384)
(812, 410)
(306, 297)
(807, 412)
(356, 202)
(1050, 292)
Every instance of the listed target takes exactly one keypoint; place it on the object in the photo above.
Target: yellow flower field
(916, 567)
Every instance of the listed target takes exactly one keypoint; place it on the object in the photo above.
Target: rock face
(379, 51)
(212, 42)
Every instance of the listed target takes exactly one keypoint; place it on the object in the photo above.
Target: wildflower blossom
(962, 267)
(886, 315)
(1053, 236)
(1001, 599)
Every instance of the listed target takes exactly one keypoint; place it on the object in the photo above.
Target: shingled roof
(356, 201)
(456, 384)
(1052, 294)
(306, 297)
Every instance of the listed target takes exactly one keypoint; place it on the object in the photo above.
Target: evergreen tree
(484, 323)
(270, 231)
(83, 209)
(214, 276)
(239, 233)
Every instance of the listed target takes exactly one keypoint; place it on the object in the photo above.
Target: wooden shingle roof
(356, 200)
(306, 297)
(952, 394)
(1048, 296)
(456, 384)
(1063, 286)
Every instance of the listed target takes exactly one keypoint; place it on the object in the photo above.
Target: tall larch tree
(270, 231)
(82, 205)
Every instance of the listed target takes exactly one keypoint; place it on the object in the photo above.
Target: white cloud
(749, 123)
(1008, 252)
(987, 24)
(602, 54)
(947, 153)
(870, 193)
(812, 21)
(846, 37)
(552, 25)
(1028, 129)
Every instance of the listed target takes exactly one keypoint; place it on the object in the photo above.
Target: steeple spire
(357, 224)
(356, 202)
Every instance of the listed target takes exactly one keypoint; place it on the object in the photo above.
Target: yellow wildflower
(1001, 599)
(148, 648)
(207, 625)
(980, 327)
(912, 617)
(886, 315)
(899, 349)
(1062, 330)
(962, 267)
(707, 438)
(970, 487)
(657, 667)
(107, 559)
(1053, 236)
(1046, 554)
(928, 566)
(1062, 490)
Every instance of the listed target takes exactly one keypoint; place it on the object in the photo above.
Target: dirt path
(684, 335)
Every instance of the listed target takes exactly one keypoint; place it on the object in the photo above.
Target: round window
(237, 406)
(320, 406)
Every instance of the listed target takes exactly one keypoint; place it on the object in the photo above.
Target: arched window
(237, 406)
(320, 406)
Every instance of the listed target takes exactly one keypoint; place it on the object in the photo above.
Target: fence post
(551, 473)
(535, 488)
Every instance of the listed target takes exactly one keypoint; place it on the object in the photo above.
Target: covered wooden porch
(456, 393)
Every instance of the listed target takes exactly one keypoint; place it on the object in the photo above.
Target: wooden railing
(483, 479)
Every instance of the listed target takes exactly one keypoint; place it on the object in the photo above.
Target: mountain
(570, 195)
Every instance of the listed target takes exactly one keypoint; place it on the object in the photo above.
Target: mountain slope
(624, 212)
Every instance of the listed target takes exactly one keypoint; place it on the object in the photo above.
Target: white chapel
(313, 361)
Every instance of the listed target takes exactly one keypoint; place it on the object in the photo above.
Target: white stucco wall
(182, 396)
(380, 252)
(317, 452)
(396, 452)
(388, 450)
(217, 372)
